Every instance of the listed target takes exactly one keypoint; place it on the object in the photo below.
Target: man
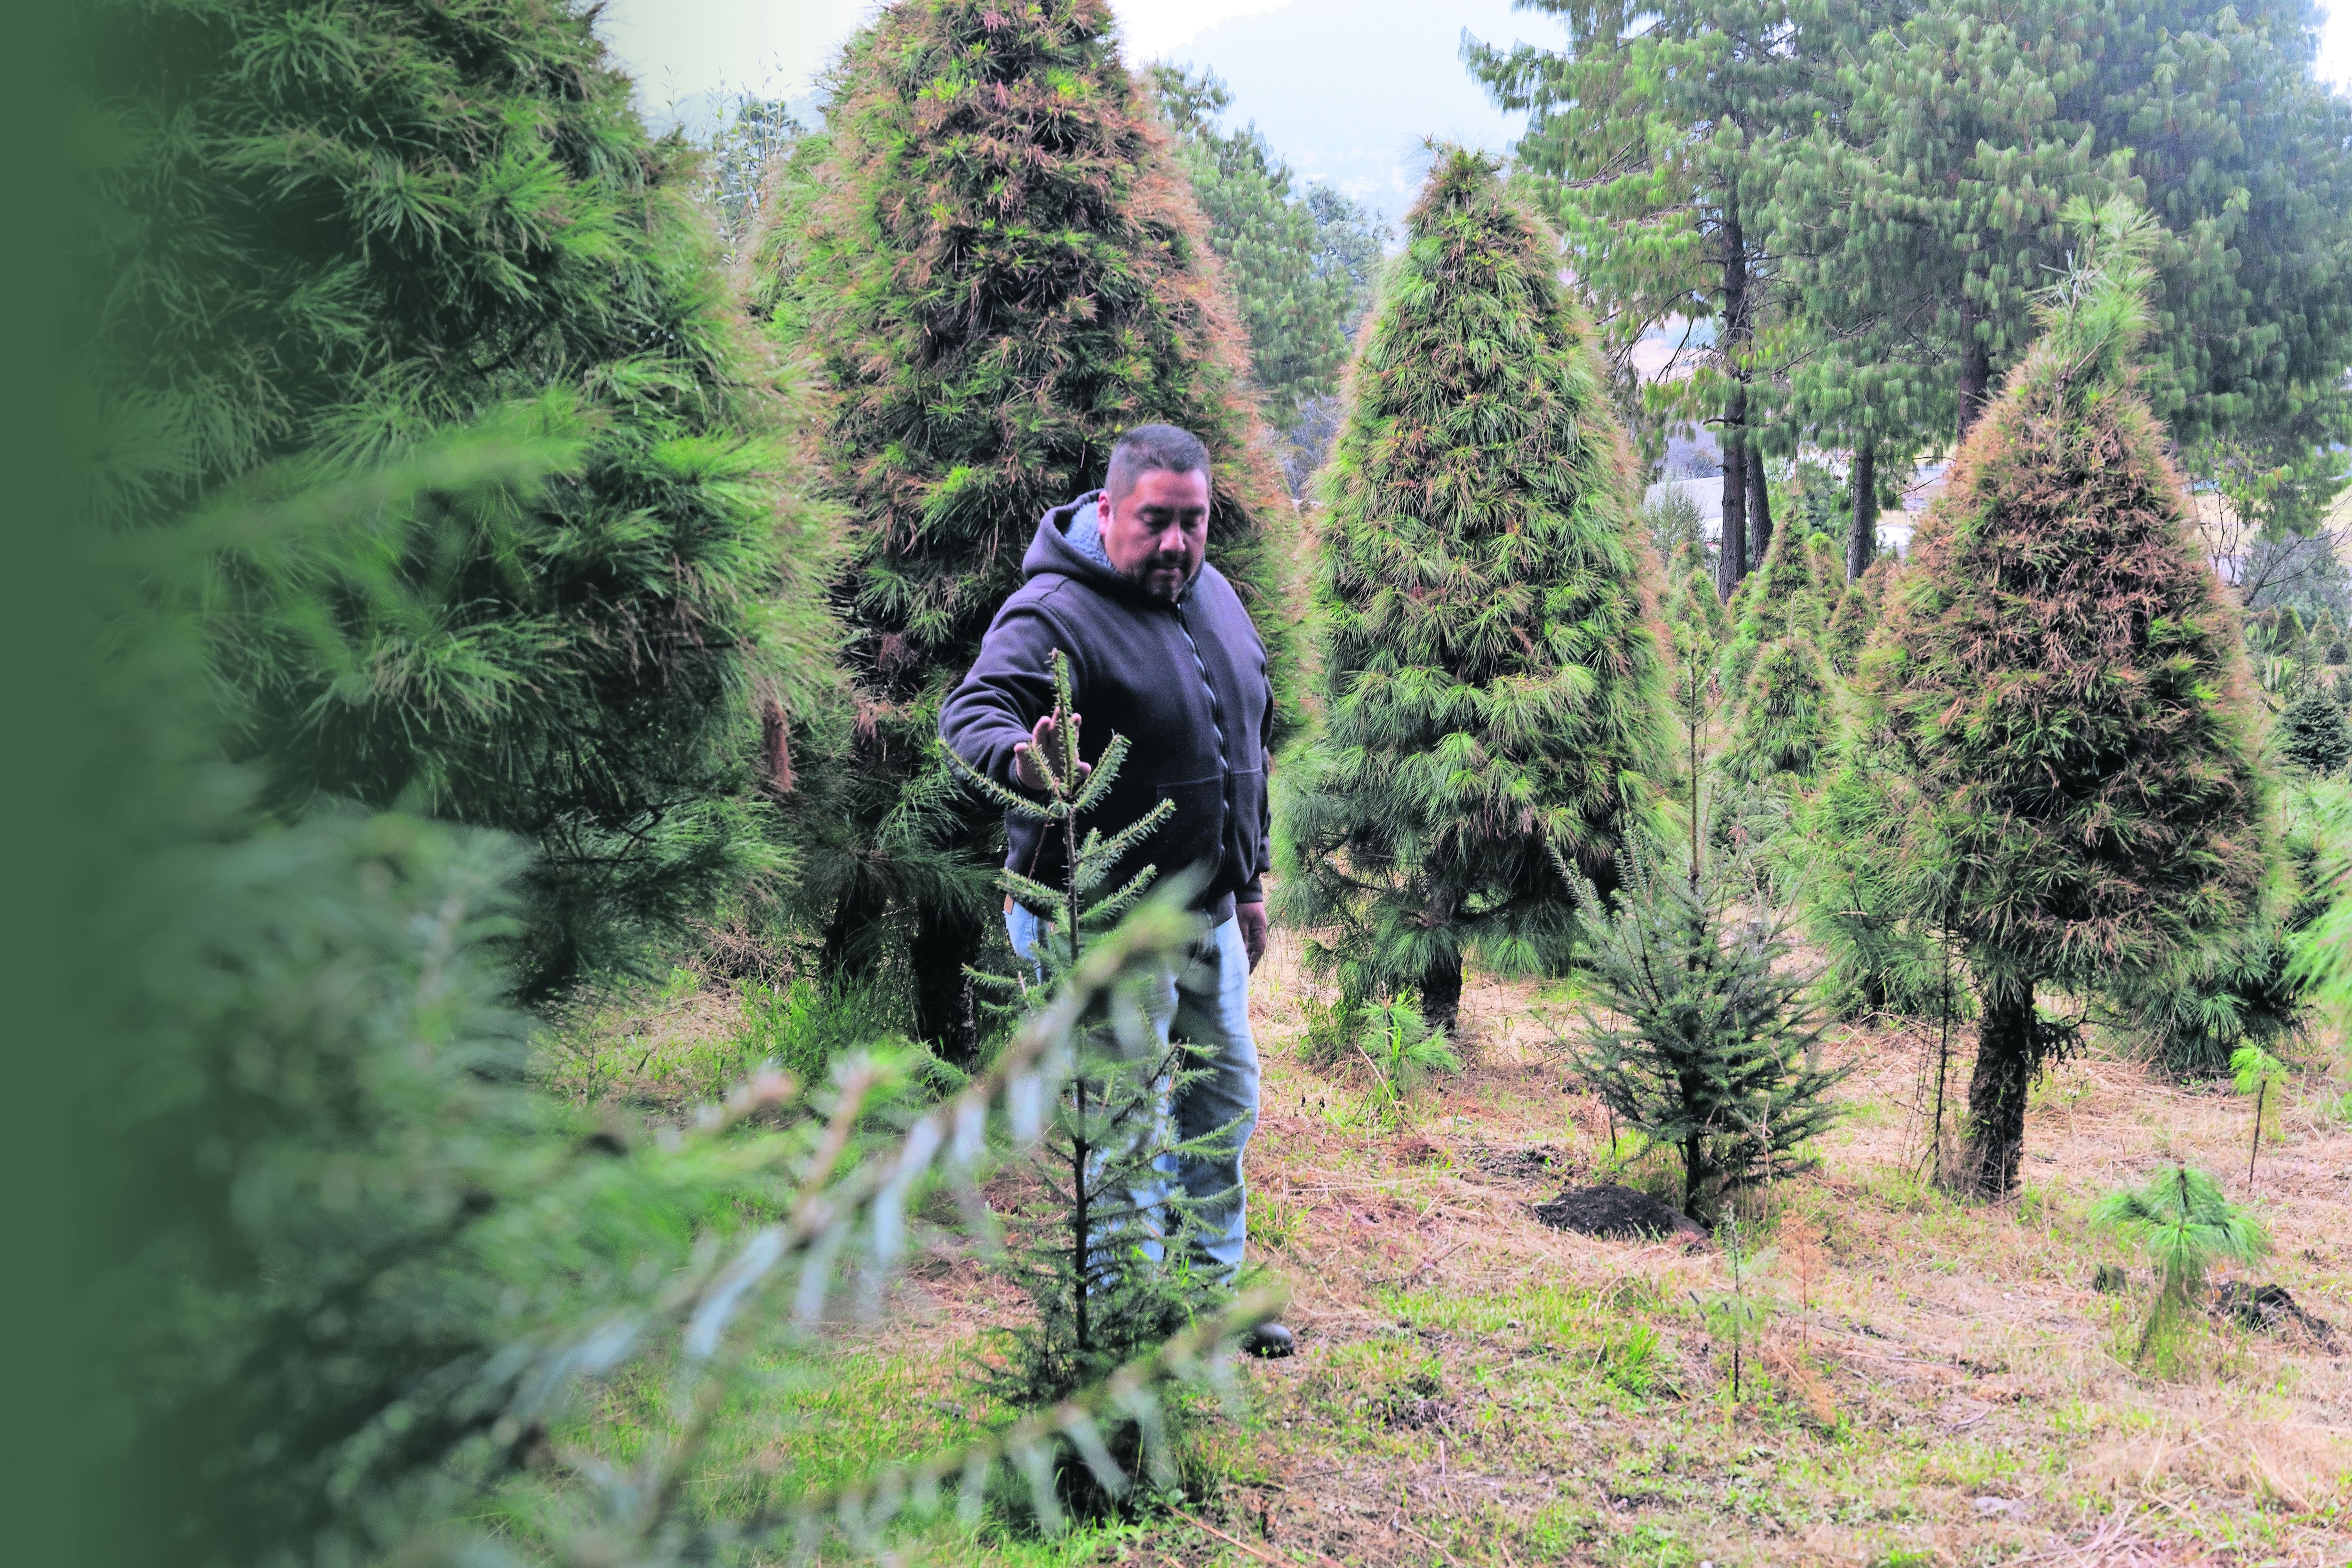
(1161, 652)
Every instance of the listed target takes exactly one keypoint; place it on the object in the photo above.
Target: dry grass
(1938, 1383)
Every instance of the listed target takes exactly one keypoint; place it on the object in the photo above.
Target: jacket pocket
(1193, 835)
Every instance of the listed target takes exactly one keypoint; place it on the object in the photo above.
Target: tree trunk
(946, 1015)
(1862, 535)
(849, 951)
(1976, 371)
(1731, 553)
(1441, 994)
(2004, 1070)
(1731, 558)
(1759, 504)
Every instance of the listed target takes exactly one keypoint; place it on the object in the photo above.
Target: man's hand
(1026, 769)
(1253, 923)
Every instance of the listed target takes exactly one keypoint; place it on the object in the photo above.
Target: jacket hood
(1051, 552)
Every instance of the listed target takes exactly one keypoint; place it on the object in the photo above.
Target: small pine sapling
(1404, 1052)
(2185, 1225)
(1703, 1041)
(1115, 1264)
(1736, 1315)
(2258, 1073)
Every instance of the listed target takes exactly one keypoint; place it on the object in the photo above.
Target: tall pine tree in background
(1299, 299)
(999, 265)
(1656, 140)
(2064, 685)
(335, 234)
(1492, 675)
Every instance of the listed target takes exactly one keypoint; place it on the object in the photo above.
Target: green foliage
(1871, 905)
(1694, 612)
(2184, 1223)
(992, 254)
(2321, 954)
(1491, 676)
(1782, 731)
(2059, 679)
(1112, 1262)
(2313, 734)
(1702, 1039)
(1656, 140)
(1300, 292)
(742, 157)
(1391, 1037)
(1786, 597)
(330, 237)
(1855, 618)
(1674, 521)
(1933, 207)
(803, 1028)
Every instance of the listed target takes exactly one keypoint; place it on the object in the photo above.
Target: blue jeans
(1205, 1002)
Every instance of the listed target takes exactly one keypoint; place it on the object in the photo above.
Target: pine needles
(2185, 1224)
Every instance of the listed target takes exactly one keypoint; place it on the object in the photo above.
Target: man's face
(1157, 533)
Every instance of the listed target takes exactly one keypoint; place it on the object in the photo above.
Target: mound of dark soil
(1620, 1213)
(2270, 1307)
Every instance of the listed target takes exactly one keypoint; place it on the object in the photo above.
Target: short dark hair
(1153, 447)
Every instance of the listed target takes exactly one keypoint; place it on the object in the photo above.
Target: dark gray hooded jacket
(1185, 683)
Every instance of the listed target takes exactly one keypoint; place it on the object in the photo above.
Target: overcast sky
(1345, 89)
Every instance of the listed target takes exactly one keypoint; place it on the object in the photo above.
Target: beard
(1163, 577)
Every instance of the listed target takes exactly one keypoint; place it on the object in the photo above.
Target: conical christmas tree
(339, 236)
(1856, 616)
(2063, 681)
(1001, 271)
(1785, 597)
(1492, 675)
(2313, 735)
(1785, 724)
(1691, 602)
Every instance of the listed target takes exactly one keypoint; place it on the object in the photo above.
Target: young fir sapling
(1702, 1041)
(1115, 1266)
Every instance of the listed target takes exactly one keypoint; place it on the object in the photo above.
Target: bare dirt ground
(1933, 1383)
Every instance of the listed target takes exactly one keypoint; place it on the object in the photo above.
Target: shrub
(2313, 734)
(332, 236)
(2185, 1225)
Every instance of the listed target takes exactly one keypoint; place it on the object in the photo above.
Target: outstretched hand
(1025, 769)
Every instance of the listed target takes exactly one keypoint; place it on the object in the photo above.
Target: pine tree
(2063, 681)
(1856, 616)
(1785, 724)
(334, 234)
(1112, 1261)
(997, 262)
(1297, 303)
(1691, 602)
(1657, 137)
(1784, 597)
(2313, 735)
(1492, 676)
